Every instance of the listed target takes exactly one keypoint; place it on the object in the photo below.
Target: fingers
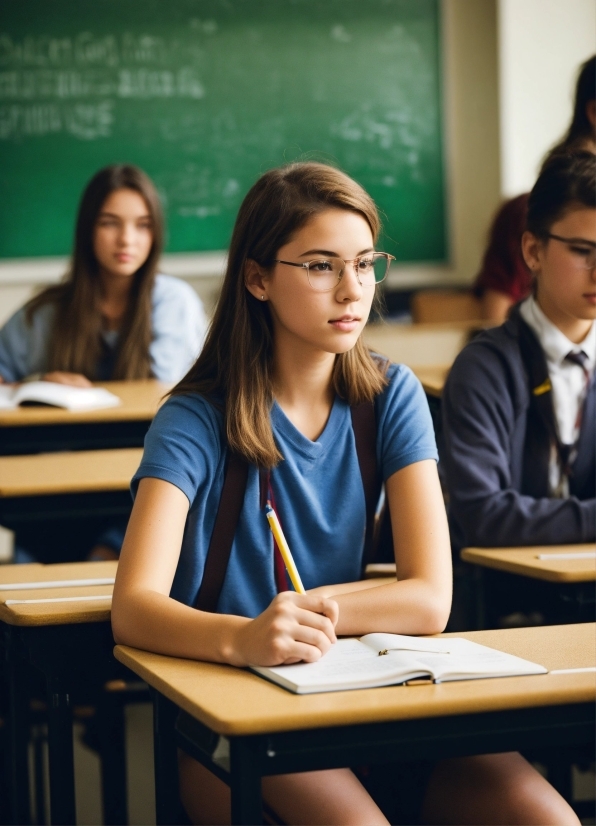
(315, 603)
(72, 379)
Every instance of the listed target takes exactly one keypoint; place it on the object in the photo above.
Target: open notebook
(389, 659)
(56, 395)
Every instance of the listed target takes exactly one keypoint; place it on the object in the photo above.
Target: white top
(567, 379)
(178, 325)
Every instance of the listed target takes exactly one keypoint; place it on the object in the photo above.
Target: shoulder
(489, 372)
(167, 288)
(403, 388)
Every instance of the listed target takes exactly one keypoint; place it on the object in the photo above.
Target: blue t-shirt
(317, 488)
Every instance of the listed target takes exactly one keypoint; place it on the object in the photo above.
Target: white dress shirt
(567, 379)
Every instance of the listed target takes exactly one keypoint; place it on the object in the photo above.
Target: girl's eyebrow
(333, 254)
(576, 240)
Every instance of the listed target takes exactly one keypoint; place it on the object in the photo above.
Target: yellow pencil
(284, 549)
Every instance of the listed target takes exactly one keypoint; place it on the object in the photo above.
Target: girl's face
(123, 233)
(564, 270)
(325, 321)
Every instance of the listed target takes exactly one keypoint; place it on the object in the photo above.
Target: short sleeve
(405, 428)
(24, 345)
(182, 446)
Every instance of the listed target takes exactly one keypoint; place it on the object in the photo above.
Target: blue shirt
(318, 490)
(178, 324)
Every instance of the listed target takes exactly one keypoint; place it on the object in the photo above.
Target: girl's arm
(294, 627)
(420, 600)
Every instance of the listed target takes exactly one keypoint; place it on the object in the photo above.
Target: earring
(262, 298)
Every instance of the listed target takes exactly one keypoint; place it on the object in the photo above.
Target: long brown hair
(75, 341)
(235, 364)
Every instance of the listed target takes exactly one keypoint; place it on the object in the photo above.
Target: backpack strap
(226, 521)
(364, 425)
(541, 430)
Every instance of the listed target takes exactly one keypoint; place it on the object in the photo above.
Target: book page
(348, 664)
(6, 397)
(62, 395)
(470, 660)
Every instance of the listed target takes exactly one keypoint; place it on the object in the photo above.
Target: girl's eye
(585, 251)
(320, 266)
(145, 225)
(108, 222)
(365, 264)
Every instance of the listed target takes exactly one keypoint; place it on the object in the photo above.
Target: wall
(469, 34)
(541, 44)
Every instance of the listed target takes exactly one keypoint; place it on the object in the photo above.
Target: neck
(302, 386)
(114, 288)
(575, 329)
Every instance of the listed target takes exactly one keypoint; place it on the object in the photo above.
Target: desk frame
(255, 756)
(52, 650)
(51, 438)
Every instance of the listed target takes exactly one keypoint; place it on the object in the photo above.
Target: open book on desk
(377, 660)
(56, 395)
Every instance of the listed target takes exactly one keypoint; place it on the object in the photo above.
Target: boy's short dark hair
(565, 179)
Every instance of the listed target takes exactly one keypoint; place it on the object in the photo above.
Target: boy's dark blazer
(497, 442)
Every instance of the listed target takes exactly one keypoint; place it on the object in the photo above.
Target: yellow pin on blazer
(545, 387)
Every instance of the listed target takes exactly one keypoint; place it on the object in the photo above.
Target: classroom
(297, 412)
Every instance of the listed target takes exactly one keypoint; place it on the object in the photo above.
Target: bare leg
(499, 789)
(322, 798)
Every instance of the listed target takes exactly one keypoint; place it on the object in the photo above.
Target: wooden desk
(526, 561)
(52, 486)
(70, 642)
(432, 379)
(39, 429)
(272, 731)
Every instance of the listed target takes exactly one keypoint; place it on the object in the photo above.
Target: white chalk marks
(71, 84)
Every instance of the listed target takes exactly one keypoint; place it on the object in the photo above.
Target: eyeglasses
(324, 274)
(584, 252)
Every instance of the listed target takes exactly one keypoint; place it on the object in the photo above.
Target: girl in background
(282, 365)
(112, 317)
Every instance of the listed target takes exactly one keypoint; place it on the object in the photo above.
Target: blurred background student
(504, 278)
(519, 406)
(113, 316)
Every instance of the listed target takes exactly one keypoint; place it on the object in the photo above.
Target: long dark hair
(236, 360)
(565, 180)
(75, 341)
(580, 128)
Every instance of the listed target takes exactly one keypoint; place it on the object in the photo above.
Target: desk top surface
(232, 701)
(140, 400)
(82, 471)
(558, 564)
(432, 379)
(63, 605)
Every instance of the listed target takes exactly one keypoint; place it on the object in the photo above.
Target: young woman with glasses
(282, 364)
(520, 401)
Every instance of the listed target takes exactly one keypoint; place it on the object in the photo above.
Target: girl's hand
(72, 379)
(294, 628)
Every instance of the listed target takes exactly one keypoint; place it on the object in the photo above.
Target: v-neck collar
(312, 450)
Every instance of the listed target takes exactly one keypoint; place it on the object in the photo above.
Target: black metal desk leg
(112, 733)
(167, 798)
(245, 785)
(17, 741)
(61, 757)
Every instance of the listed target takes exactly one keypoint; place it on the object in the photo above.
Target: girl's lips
(346, 325)
(591, 297)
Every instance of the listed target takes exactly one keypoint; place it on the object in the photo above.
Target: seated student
(272, 389)
(504, 278)
(519, 405)
(113, 316)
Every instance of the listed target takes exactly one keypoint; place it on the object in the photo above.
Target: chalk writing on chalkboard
(53, 73)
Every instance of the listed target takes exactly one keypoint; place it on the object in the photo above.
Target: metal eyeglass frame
(578, 242)
(306, 266)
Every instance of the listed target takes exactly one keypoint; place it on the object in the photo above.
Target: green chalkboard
(207, 94)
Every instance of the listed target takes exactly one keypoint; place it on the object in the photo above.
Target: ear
(531, 250)
(255, 279)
